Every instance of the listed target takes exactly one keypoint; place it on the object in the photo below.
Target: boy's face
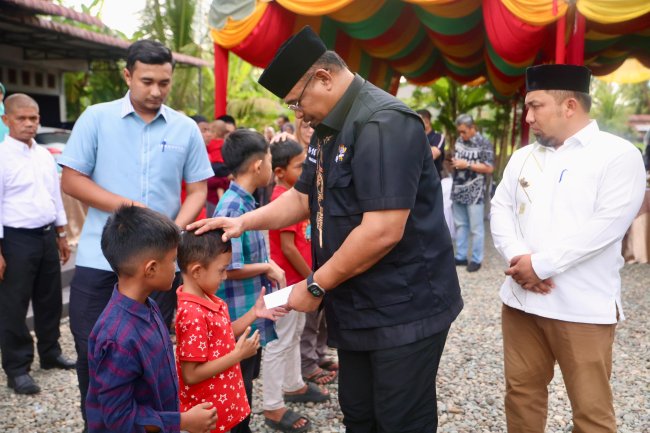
(165, 271)
(292, 171)
(209, 278)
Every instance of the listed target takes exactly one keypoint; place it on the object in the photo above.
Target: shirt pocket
(340, 196)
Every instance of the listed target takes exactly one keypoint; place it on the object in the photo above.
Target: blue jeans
(469, 217)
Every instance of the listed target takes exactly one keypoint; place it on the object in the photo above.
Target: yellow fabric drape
(314, 7)
(358, 11)
(457, 9)
(631, 71)
(393, 47)
(236, 31)
(536, 12)
(613, 11)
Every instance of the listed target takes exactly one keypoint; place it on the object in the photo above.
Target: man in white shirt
(558, 218)
(32, 241)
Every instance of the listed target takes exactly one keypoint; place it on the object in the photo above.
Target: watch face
(315, 290)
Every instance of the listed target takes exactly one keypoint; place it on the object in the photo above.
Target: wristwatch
(313, 287)
(61, 234)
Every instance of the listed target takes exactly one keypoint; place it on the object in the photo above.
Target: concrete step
(67, 272)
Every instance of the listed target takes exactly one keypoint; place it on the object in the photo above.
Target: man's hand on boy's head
(200, 419)
(232, 227)
(276, 273)
(283, 136)
(301, 300)
(247, 346)
(261, 312)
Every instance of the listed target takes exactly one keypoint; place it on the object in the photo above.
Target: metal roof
(44, 39)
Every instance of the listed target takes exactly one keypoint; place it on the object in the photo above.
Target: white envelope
(277, 298)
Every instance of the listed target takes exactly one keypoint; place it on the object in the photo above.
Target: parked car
(53, 139)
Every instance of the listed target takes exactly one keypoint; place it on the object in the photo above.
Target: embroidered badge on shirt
(341, 154)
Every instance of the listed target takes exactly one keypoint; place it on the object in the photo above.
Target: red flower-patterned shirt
(204, 333)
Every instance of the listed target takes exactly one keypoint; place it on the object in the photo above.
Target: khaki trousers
(531, 345)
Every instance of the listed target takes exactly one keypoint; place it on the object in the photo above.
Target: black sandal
(287, 421)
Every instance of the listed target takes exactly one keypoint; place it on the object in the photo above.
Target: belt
(38, 230)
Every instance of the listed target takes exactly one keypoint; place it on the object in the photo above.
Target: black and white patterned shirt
(469, 185)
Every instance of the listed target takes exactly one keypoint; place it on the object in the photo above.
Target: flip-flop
(322, 377)
(329, 365)
(287, 421)
(312, 395)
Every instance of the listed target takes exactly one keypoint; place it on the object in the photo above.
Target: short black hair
(228, 119)
(240, 147)
(284, 117)
(283, 152)
(424, 113)
(149, 52)
(198, 118)
(201, 248)
(133, 233)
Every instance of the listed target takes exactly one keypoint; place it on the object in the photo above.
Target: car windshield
(52, 137)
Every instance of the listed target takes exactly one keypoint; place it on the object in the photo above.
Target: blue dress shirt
(141, 161)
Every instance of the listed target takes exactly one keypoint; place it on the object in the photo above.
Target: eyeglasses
(296, 106)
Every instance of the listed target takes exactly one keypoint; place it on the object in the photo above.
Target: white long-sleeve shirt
(30, 194)
(570, 208)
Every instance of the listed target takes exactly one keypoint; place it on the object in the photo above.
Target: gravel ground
(470, 380)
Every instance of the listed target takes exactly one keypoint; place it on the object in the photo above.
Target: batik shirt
(469, 186)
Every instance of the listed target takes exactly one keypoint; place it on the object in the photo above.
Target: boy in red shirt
(291, 250)
(207, 355)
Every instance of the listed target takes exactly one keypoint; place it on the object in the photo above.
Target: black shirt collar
(336, 118)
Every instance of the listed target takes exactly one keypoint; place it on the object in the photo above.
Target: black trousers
(33, 272)
(391, 390)
(250, 370)
(90, 291)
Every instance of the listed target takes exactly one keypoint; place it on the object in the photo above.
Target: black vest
(414, 281)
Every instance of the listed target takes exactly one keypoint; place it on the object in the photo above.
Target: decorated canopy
(471, 41)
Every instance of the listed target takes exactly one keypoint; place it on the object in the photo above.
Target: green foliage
(102, 83)
(171, 23)
(450, 99)
(251, 104)
(610, 108)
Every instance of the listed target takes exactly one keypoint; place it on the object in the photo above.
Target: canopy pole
(220, 80)
(560, 49)
(576, 46)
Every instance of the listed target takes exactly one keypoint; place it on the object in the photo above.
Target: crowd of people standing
(359, 230)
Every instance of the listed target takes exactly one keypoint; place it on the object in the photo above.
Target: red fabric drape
(220, 80)
(513, 40)
(576, 47)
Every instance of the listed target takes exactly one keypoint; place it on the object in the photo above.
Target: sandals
(287, 421)
(329, 365)
(313, 395)
(322, 377)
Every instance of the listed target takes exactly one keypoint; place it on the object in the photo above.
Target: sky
(117, 14)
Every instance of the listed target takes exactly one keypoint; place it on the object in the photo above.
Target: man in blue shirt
(134, 150)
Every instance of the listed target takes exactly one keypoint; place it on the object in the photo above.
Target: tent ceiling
(470, 41)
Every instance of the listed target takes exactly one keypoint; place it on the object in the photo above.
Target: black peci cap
(292, 60)
(558, 77)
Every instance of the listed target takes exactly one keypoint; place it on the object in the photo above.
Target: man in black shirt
(436, 140)
(383, 259)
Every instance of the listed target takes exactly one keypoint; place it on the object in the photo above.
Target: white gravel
(470, 380)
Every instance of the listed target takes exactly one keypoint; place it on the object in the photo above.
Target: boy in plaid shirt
(247, 155)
